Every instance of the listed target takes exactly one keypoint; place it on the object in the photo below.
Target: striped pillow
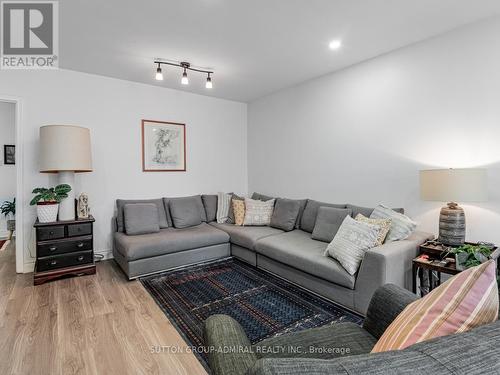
(351, 242)
(401, 225)
(223, 204)
(467, 300)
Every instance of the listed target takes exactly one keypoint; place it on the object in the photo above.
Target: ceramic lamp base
(67, 205)
(452, 225)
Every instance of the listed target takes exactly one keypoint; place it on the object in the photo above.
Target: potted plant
(47, 201)
(9, 210)
(469, 255)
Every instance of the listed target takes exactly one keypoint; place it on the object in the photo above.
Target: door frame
(19, 180)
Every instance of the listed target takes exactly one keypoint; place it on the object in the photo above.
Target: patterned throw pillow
(239, 211)
(466, 301)
(385, 225)
(223, 204)
(401, 225)
(258, 212)
(351, 242)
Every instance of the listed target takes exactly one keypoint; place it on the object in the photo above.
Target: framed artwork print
(163, 146)
(9, 154)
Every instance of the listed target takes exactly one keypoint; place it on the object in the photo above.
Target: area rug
(265, 305)
(4, 244)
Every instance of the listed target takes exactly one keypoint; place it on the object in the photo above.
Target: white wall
(7, 172)
(362, 134)
(113, 109)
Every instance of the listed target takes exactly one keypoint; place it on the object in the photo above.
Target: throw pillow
(141, 218)
(328, 222)
(385, 225)
(401, 225)
(285, 214)
(466, 301)
(185, 212)
(231, 219)
(310, 213)
(239, 211)
(351, 242)
(120, 204)
(223, 204)
(210, 204)
(258, 212)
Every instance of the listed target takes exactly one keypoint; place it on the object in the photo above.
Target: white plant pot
(47, 213)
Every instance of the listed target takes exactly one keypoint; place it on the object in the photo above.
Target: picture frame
(163, 146)
(9, 154)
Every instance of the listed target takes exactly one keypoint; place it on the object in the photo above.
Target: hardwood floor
(99, 324)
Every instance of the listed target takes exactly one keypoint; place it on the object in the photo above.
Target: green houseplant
(9, 210)
(469, 255)
(47, 201)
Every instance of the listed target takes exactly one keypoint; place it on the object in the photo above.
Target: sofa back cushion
(141, 218)
(467, 300)
(367, 211)
(285, 214)
(210, 204)
(186, 211)
(261, 197)
(310, 213)
(328, 222)
(120, 204)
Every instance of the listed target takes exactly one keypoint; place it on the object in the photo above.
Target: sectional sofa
(293, 254)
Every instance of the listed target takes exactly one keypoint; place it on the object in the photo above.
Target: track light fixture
(185, 66)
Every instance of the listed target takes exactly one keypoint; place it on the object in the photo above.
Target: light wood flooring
(99, 324)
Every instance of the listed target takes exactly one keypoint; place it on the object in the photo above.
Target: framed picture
(9, 154)
(163, 146)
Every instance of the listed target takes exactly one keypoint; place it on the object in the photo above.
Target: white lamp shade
(65, 148)
(454, 185)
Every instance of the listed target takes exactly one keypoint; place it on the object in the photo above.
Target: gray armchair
(344, 348)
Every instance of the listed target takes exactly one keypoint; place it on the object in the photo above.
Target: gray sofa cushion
(231, 219)
(210, 204)
(328, 222)
(285, 214)
(120, 203)
(169, 240)
(187, 211)
(246, 236)
(297, 249)
(302, 203)
(367, 211)
(261, 197)
(141, 218)
(311, 212)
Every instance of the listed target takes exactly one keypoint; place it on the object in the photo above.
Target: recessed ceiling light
(335, 44)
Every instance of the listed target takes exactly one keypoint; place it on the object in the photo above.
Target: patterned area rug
(3, 244)
(262, 303)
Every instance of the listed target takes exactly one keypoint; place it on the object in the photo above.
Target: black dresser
(64, 248)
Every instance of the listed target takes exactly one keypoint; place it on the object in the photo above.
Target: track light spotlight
(159, 74)
(209, 85)
(185, 80)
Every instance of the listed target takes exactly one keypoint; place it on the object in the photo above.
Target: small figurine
(83, 206)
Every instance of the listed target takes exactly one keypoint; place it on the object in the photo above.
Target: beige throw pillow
(239, 211)
(384, 224)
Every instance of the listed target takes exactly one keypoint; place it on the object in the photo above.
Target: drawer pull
(53, 263)
(51, 233)
(80, 245)
(80, 258)
(53, 248)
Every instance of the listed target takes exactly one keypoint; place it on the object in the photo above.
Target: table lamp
(65, 149)
(453, 185)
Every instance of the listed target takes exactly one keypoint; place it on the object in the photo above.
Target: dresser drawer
(63, 247)
(79, 229)
(66, 260)
(50, 233)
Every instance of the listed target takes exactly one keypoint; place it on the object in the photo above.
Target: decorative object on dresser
(47, 201)
(65, 149)
(83, 209)
(453, 185)
(64, 248)
(163, 146)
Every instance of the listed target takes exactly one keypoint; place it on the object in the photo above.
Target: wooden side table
(64, 248)
(436, 252)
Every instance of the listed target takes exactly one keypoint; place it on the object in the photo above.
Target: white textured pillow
(351, 242)
(401, 225)
(223, 205)
(258, 212)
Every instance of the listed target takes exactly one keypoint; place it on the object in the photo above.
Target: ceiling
(255, 46)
